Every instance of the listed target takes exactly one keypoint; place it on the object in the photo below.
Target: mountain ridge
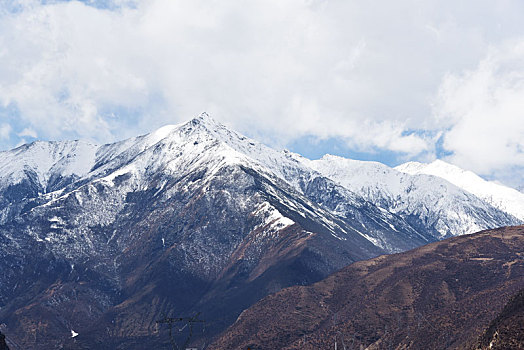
(296, 171)
(424, 197)
(498, 195)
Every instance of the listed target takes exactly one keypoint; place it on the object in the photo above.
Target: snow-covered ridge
(505, 198)
(46, 159)
(443, 205)
(202, 141)
(174, 150)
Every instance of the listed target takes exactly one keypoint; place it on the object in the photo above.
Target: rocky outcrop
(3, 344)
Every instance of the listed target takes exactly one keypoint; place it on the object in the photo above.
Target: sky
(391, 81)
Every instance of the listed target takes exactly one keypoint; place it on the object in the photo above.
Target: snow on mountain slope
(505, 198)
(176, 150)
(265, 157)
(434, 202)
(173, 148)
(203, 146)
(38, 170)
(42, 161)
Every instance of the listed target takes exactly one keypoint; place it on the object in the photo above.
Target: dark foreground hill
(440, 296)
(507, 330)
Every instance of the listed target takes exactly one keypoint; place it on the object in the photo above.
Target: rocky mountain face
(97, 243)
(3, 344)
(440, 296)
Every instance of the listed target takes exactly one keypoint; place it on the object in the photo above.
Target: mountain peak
(205, 119)
(204, 116)
(203, 123)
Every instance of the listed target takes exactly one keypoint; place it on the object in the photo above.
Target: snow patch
(273, 219)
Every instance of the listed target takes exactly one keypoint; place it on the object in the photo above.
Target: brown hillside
(440, 296)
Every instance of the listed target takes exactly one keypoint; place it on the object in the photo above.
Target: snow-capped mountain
(428, 202)
(504, 198)
(180, 218)
(178, 150)
(168, 222)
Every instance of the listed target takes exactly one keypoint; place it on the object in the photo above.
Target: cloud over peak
(360, 72)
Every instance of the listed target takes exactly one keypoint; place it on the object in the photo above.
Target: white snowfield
(505, 198)
(453, 200)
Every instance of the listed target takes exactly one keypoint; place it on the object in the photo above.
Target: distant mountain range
(103, 241)
(436, 198)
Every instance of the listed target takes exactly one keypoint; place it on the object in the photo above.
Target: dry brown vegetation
(440, 296)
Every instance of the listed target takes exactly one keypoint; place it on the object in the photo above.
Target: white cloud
(5, 131)
(363, 71)
(483, 110)
(27, 132)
